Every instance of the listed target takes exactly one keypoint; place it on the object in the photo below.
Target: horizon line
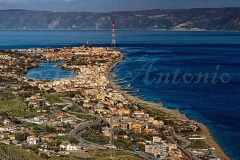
(119, 10)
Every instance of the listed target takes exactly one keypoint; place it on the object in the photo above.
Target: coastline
(210, 139)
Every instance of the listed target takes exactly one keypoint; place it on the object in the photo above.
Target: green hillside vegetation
(8, 152)
(119, 155)
(13, 105)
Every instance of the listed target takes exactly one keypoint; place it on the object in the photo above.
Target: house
(101, 97)
(63, 146)
(159, 148)
(158, 123)
(156, 139)
(48, 138)
(11, 137)
(142, 117)
(4, 135)
(126, 123)
(151, 131)
(138, 112)
(71, 147)
(122, 122)
(32, 140)
(195, 137)
(126, 111)
(7, 121)
(176, 152)
(188, 128)
(31, 133)
(137, 127)
(172, 146)
(106, 131)
(36, 120)
(4, 128)
(123, 111)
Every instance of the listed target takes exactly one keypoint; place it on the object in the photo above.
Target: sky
(113, 5)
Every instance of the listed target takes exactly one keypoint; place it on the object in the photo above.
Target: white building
(71, 147)
(158, 148)
(32, 140)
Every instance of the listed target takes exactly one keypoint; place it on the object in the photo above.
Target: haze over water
(152, 53)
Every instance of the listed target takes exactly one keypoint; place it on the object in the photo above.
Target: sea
(195, 72)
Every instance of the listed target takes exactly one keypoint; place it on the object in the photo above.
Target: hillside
(184, 19)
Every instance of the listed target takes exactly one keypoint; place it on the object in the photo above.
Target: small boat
(121, 82)
(117, 80)
(129, 86)
(90, 42)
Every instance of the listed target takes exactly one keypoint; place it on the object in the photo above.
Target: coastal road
(189, 155)
(179, 137)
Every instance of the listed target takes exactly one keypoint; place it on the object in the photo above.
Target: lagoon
(49, 71)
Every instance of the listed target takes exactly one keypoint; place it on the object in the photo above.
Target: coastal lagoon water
(151, 62)
(49, 71)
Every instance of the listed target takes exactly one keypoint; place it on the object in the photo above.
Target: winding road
(82, 126)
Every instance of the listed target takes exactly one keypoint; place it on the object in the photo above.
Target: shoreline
(210, 139)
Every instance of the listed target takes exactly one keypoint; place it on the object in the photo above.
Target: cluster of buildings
(14, 65)
(91, 66)
(52, 114)
(54, 122)
(98, 98)
(162, 148)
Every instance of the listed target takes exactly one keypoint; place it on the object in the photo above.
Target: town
(83, 116)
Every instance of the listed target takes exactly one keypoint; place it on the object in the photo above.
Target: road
(74, 103)
(81, 127)
(179, 137)
(189, 155)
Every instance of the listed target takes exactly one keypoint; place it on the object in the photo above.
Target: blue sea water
(49, 71)
(150, 55)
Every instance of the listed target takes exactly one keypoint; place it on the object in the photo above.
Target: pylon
(113, 35)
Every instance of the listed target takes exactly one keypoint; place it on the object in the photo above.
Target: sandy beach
(210, 140)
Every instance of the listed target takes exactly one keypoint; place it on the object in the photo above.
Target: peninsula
(85, 115)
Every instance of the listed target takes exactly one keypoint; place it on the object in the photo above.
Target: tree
(4, 114)
(51, 90)
(21, 136)
(48, 129)
(73, 140)
(44, 155)
(56, 149)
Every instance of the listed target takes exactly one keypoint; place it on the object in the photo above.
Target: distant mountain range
(183, 19)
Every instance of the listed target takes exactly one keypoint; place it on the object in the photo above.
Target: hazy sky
(113, 5)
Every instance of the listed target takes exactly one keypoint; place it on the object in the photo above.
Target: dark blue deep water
(195, 72)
